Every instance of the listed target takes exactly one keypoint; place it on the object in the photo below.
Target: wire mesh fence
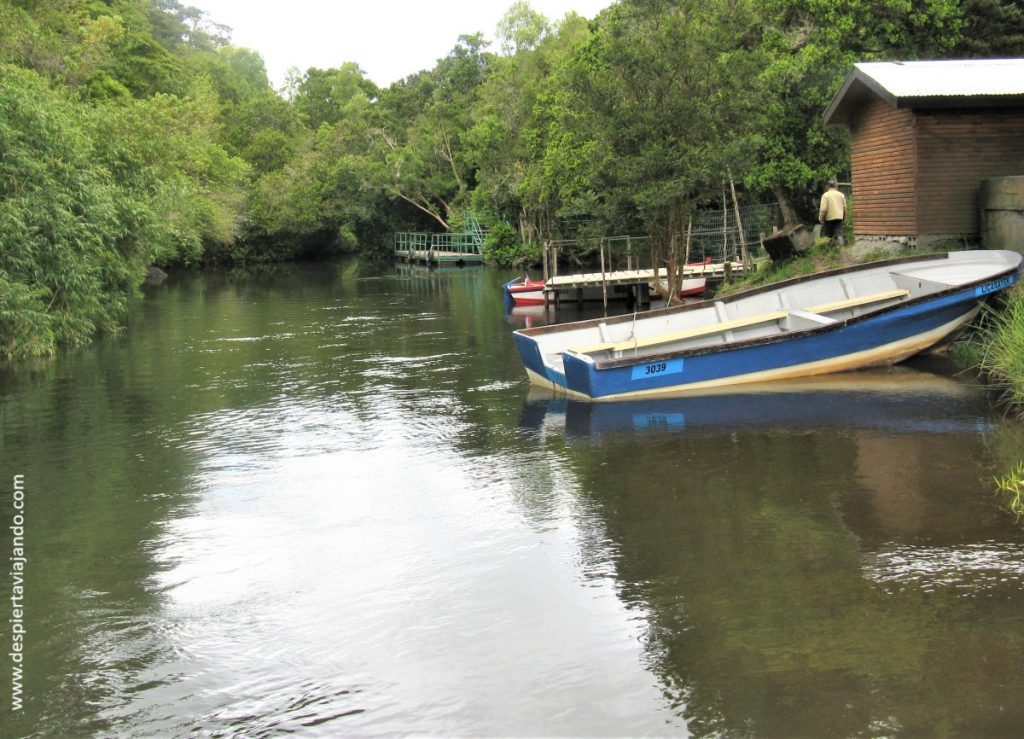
(714, 235)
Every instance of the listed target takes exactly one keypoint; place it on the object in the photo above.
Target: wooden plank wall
(956, 151)
(883, 165)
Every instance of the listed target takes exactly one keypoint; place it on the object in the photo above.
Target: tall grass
(1001, 335)
(1001, 341)
(1011, 485)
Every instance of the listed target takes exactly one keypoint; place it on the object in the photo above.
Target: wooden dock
(632, 283)
(713, 271)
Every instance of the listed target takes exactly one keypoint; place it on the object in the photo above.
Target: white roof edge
(947, 77)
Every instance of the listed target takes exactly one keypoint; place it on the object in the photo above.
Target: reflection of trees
(112, 440)
(746, 552)
(99, 484)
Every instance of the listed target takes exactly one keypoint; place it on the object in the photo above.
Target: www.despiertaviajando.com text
(18, 563)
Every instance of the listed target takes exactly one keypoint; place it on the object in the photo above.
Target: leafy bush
(502, 247)
(91, 194)
(24, 324)
(58, 224)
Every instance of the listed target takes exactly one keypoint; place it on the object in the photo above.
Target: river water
(323, 500)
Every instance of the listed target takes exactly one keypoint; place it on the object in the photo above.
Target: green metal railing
(409, 244)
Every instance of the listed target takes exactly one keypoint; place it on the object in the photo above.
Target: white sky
(388, 39)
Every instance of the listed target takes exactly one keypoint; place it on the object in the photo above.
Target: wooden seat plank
(690, 333)
(857, 301)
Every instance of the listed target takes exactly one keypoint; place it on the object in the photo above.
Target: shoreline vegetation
(134, 134)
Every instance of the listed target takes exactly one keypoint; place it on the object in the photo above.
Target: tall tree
(809, 46)
(322, 95)
(510, 125)
(992, 29)
(521, 28)
(420, 156)
(648, 125)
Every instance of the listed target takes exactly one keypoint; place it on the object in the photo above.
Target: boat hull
(528, 296)
(692, 287)
(876, 338)
(524, 291)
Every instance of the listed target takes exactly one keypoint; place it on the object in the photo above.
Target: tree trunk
(739, 225)
(671, 273)
(789, 216)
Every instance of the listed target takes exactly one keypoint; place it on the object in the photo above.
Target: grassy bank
(1000, 361)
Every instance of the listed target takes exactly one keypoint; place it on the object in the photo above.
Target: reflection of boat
(862, 316)
(525, 291)
(527, 315)
(897, 399)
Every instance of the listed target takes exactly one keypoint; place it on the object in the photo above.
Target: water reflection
(900, 399)
(323, 502)
(976, 568)
(817, 543)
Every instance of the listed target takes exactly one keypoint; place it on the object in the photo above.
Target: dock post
(554, 273)
(544, 267)
(604, 278)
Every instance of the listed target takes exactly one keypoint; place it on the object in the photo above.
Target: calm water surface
(323, 500)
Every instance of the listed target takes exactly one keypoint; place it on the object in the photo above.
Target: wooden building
(923, 136)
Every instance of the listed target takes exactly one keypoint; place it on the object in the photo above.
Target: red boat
(692, 286)
(525, 291)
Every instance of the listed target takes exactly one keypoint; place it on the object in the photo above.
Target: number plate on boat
(654, 369)
(658, 420)
(992, 286)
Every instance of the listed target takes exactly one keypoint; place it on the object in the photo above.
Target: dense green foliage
(133, 134)
(502, 247)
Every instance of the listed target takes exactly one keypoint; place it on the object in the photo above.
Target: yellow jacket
(833, 206)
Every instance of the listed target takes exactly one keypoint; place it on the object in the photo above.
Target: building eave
(928, 85)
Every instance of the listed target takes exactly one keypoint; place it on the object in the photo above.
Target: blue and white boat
(867, 315)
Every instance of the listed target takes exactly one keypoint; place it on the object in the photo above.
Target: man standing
(832, 212)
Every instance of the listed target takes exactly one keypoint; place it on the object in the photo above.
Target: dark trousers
(830, 228)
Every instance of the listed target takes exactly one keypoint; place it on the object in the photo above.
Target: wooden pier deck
(713, 271)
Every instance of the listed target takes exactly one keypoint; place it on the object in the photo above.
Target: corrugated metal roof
(948, 77)
(962, 83)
